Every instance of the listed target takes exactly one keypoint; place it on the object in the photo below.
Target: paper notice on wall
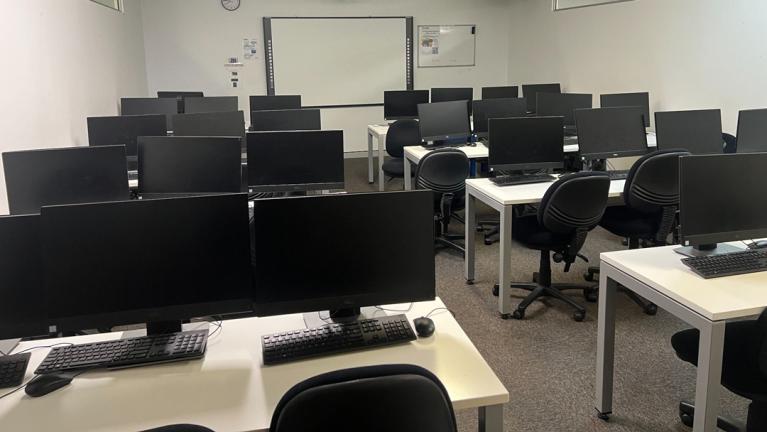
(249, 49)
(429, 40)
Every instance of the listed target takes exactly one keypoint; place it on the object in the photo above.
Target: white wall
(188, 41)
(64, 60)
(687, 53)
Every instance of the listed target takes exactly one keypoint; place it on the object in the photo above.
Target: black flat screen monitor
(496, 108)
(722, 198)
(396, 228)
(141, 261)
(752, 131)
(444, 121)
(500, 92)
(189, 165)
(179, 96)
(526, 143)
(286, 120)
(562, 104)
(269, 103)
(124, 130)
(697, 131)
(628, 100)
(37, 178)
(403, 104)
(210, 124)
(453, 94)
(295, 160)
(611, 132)
(141, 106)
(22, 313)
(194, 105)
(530, 92)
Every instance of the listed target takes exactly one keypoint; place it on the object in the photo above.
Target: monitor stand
(707, 250)
(341, 316)
(595, 165)
(6, 346)
(162, 327)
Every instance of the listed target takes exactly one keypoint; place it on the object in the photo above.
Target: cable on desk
(396, 310)
(45, 346)
(438, 309)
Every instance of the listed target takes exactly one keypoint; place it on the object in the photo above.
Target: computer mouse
(424, 326)
(472, 144)
(44, 384)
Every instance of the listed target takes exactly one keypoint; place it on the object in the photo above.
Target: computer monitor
(611, 132)
(396, 228)
(496, 108)
(295, 160)
(721, 200)
(189, 165)
(562, 104)
(37, 178)
(286, 120)
(453, 94)
(500, 92)
(281, 102)
(403, 104)
(194, 105)
(124, 130)
(526, 143)
(140, 106)
(530, 92)
(628, 100)
(210, 124)
(752, 131)
(444, 121)
(152, 261)
(179, 96)
(21, 278)
(697, 131)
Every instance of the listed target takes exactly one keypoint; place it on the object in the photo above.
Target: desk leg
(408, 173)
(608, 289)
(470, 217)
(381, 177)
(491, 418)
(371, 175)
(504, 276)
(708, 382)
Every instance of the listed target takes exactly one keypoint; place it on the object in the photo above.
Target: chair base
(553, 291)
(447, 241)
(592, 294)
(687, 415)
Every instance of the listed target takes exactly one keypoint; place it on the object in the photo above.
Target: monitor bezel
(529, 166)
(613, 154)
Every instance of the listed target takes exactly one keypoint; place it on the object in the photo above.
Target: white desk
(377, 132)
(502, 199)
(230, 389)
(658, 275)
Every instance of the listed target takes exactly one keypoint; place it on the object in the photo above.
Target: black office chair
(401, 133)
(571, 207)
(744, 370)
(730, 143)
(445, 171)
(180, 428)
(651, 198)
(400, 398)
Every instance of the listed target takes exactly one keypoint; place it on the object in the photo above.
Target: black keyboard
(12, 369)
(130, 352)
(336, 338)
(735, 263)
(511, 180)
(618, 175)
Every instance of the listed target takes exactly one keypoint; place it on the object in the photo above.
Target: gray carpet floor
(548, 361)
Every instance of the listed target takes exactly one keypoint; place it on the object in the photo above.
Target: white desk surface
(230, 389)
(716, 299)
(479, 151)
(378, 129)
(522, 194)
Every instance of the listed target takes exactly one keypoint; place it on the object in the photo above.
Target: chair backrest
(653, 181)
(402, 133)
(399, 398)
(730, 143)
(574, 202)
(443, 171)
(180, 428)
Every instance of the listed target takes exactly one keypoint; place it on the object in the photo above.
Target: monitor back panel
(443, 121)
(194, 105)
(453, 94)
(526, 143)
(214, 124)
(611, 132)
(280, 102)
(124, 130)
(496, 108)
(752, 131)
(37, 178)
(530, 93)
(403, 104)
(698, 131)
(628, 100)
(286, 120)
(500, 92)
(140, 106)
(562, 104)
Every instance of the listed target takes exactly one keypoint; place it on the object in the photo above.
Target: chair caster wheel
(589, 277)
(590, 294)
(505, 316)
(480, 229)
(579, 316)
(518, 314)
(496, 290)
(469, 281)
(651, 309)
(603, 416)
(488, 242)
(687, 419)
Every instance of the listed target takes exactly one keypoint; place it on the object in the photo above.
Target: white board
(446, 45)
(339, 61)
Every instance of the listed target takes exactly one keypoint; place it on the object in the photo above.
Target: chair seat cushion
(532, 235)
(625, 222)
(394, 167)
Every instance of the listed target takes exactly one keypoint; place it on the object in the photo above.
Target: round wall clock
(230, 5)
